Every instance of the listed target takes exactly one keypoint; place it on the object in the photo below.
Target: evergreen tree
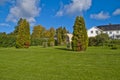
(51, 37)
(23, 34)
(80, 38)
(59, 35)
(64, 35)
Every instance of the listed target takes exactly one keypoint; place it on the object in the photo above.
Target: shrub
(114, 46)
(45, 44)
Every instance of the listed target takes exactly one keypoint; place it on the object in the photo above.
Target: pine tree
(64, 35)
(23, 34)
(59, 35)
(80, 38)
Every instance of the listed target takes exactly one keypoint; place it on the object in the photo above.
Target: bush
(7, 40)
(114, 46)
(45, 44)
(37, 42)
(92, 41)
(69, 45)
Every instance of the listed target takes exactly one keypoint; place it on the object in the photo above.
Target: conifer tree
(23, 34)
(61, 34)
(51, 37)
(80, 38)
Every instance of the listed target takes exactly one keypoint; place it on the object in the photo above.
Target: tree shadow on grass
(65, 49)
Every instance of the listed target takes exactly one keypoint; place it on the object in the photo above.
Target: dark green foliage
(50, 37)
(114, 44)
(23, 35)
(80, 38)
(101, 39)
(7, 40)
(92, 41)
(37, 42)
(61, 35)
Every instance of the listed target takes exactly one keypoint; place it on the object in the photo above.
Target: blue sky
(56, 13)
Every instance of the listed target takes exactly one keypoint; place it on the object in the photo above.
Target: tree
(64, 35)
(61, 34)
(92, 41)
(101, 39)
(7, 40)
(38, 32)
(23, 34)
(51, 37)
(38, 35)
(80, 38)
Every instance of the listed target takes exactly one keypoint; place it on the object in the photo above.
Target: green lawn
(56, 63)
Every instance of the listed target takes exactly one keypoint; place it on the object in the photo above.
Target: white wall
(70, 37)
(113, 33)
(93, 32)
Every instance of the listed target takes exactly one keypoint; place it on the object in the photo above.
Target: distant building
(113, 31)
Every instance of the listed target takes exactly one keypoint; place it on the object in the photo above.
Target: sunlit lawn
(57, 63)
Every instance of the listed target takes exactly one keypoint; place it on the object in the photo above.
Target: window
(91, 32)
(96, 32)
(117, 32)
(106, 32)
(110, 32)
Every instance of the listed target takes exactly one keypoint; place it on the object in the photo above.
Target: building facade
(113, 31)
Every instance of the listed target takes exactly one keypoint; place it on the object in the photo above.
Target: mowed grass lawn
(56, 63)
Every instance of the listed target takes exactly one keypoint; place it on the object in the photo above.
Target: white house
(94, 31)
(113, 31)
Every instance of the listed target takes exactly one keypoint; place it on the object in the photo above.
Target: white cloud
(76, 6)
(24, 9)
(4, 25)
(116, 12)
(101, 15)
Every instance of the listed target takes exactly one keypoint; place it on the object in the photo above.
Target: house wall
(93, 32)
(115, 34)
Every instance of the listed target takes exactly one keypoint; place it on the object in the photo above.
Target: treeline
(40, 36)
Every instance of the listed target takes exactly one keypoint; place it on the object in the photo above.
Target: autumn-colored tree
(51, 40)
(80, 38)
(38, 32)
(23, 34)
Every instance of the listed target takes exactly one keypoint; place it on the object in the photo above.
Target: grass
(57, 63)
